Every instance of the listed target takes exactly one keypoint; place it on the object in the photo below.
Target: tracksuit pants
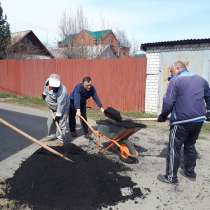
(186, 135)
(72, 118)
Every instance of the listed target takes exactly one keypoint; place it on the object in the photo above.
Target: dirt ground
(93, 182)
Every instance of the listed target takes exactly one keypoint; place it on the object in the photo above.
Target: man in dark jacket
(188, 101)
(78, 101)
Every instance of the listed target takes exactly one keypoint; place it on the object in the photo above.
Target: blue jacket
(79, 96)
(187, 98)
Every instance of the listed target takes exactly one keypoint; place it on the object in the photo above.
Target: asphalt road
(10, 141)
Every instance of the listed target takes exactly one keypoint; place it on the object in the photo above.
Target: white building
(160, 55)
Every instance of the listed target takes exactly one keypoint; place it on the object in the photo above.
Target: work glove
(78, 113)
(162, 118)
(57, 118)
(208, 116)
(102, 109)
(43, 96)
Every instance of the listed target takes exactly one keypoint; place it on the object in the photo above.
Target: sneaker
(50, 137)
(74, 134)
(60, 139)
(164, 178)
(191, 177)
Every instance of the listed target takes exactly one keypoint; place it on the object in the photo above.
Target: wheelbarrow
(116, 131)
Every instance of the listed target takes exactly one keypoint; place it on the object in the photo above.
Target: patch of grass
(22, 100)
(96, 114)
(7, 95)
(27, 100)
(140, 114)
(206, 128)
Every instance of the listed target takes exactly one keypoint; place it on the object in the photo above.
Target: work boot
(191, 176)
(165, 179)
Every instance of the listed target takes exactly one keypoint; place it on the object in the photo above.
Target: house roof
(98, 35)
(17, 37)
(146, 46)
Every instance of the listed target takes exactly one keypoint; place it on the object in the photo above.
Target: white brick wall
(152, 82)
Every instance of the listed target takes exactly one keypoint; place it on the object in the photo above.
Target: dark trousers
(182, 134)
(72, 118)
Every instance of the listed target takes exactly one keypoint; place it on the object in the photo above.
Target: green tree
(5, 34)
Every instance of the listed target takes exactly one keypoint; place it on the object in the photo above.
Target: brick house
(93, 38)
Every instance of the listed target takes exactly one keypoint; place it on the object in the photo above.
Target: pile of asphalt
(44, 181)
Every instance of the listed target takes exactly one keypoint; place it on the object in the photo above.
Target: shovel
(34, 140)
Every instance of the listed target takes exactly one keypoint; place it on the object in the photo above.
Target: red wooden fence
(119, 82)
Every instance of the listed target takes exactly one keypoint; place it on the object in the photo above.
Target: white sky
(142, 20)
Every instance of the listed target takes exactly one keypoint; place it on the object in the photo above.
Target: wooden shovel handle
(34, 140)
(56, 123)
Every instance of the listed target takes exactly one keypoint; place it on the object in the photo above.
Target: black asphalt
(10, 141)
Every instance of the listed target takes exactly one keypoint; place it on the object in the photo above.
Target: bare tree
(122, 37)
(70, 24)
(135, 47)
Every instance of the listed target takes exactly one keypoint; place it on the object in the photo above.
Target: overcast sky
(142, 20)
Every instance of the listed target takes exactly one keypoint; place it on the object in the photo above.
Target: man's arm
(96, 98)
(168, 101)
(61, 100)
(44, 93)
(77, 97)
(207, 99)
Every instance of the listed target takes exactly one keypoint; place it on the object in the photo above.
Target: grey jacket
(57, 101)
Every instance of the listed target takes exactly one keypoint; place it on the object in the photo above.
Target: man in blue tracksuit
(188, 101)
(78, 101)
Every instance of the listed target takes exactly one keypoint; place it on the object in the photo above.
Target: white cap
(54, 80)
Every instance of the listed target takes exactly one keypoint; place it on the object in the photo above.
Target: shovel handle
(89, 126)
(56, 123)
(34, 140)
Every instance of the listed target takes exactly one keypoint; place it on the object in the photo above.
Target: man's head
(177, 67)
(54, 82)
(87, 83)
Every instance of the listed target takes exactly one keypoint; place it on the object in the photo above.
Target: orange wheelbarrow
(116, 135)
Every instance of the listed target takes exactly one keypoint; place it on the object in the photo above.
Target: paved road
(11, 142)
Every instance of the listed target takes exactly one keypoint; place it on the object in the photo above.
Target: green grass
(96, 114)
(139, 114)
(206, 129)
(7, 95)
(22, 100)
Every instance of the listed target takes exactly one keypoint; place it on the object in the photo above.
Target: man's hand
(162, 118)
(102, 109)
(208, 116)
(57, 118)
(78, 113)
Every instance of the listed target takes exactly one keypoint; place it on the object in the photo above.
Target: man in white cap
(56, 96)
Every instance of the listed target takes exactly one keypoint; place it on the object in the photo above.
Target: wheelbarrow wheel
(130, 148)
